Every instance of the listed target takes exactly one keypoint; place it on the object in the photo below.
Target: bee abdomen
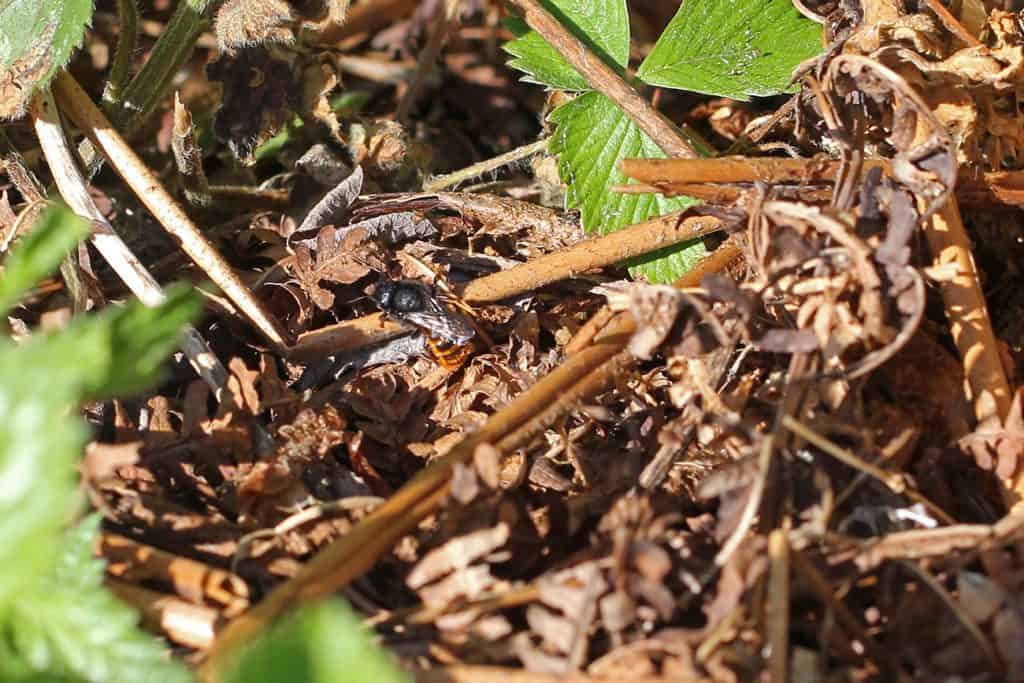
(448, 355)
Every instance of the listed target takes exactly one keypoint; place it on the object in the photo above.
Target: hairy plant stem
(138, 99)
(487, 166)
(169, 54)
(127, 37)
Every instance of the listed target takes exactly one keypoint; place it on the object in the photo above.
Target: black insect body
(449, 334)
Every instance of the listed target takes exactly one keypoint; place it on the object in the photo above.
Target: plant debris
(804, 459)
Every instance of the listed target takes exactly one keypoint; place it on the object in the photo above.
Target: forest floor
(515, 460)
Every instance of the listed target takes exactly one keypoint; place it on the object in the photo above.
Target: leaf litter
(815, 389)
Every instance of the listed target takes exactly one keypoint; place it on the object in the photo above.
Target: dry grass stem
(599, 252)
(74, 190)
(77, 105)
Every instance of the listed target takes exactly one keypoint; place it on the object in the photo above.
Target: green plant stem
(171, 51)
(128, 34)
(486, 166)
(141, 95)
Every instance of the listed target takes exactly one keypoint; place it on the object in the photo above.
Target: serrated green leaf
(592, 137)
(69, 624)
(603, 25)
(37, 38)
(118, 351)
(37, 255)
(731, 48)
(323, 643)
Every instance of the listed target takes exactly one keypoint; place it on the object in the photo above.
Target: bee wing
(456, 329)
(442, 323)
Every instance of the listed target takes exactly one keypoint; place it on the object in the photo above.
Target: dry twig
(700, 177)
(603, 78)
(777, 611)
(73, 188)
(345, 336)
(76, 104)
(599, 252)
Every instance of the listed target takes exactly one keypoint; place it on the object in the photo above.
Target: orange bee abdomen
(449, 356)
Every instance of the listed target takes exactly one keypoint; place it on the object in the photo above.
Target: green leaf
(323, 643)
(37, 255)
(734, 48)
(37, 38)
(38, 447)
(592, 137)
(731, 48)
(603, 25)
(69, 624)
(119, 351)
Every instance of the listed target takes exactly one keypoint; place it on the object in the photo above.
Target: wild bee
(449, 334)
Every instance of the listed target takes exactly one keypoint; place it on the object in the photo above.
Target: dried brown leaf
(457, 554)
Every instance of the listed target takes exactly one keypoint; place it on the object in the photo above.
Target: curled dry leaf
(257, 99)
(996, 444)
(332, 209)
(457, 554)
